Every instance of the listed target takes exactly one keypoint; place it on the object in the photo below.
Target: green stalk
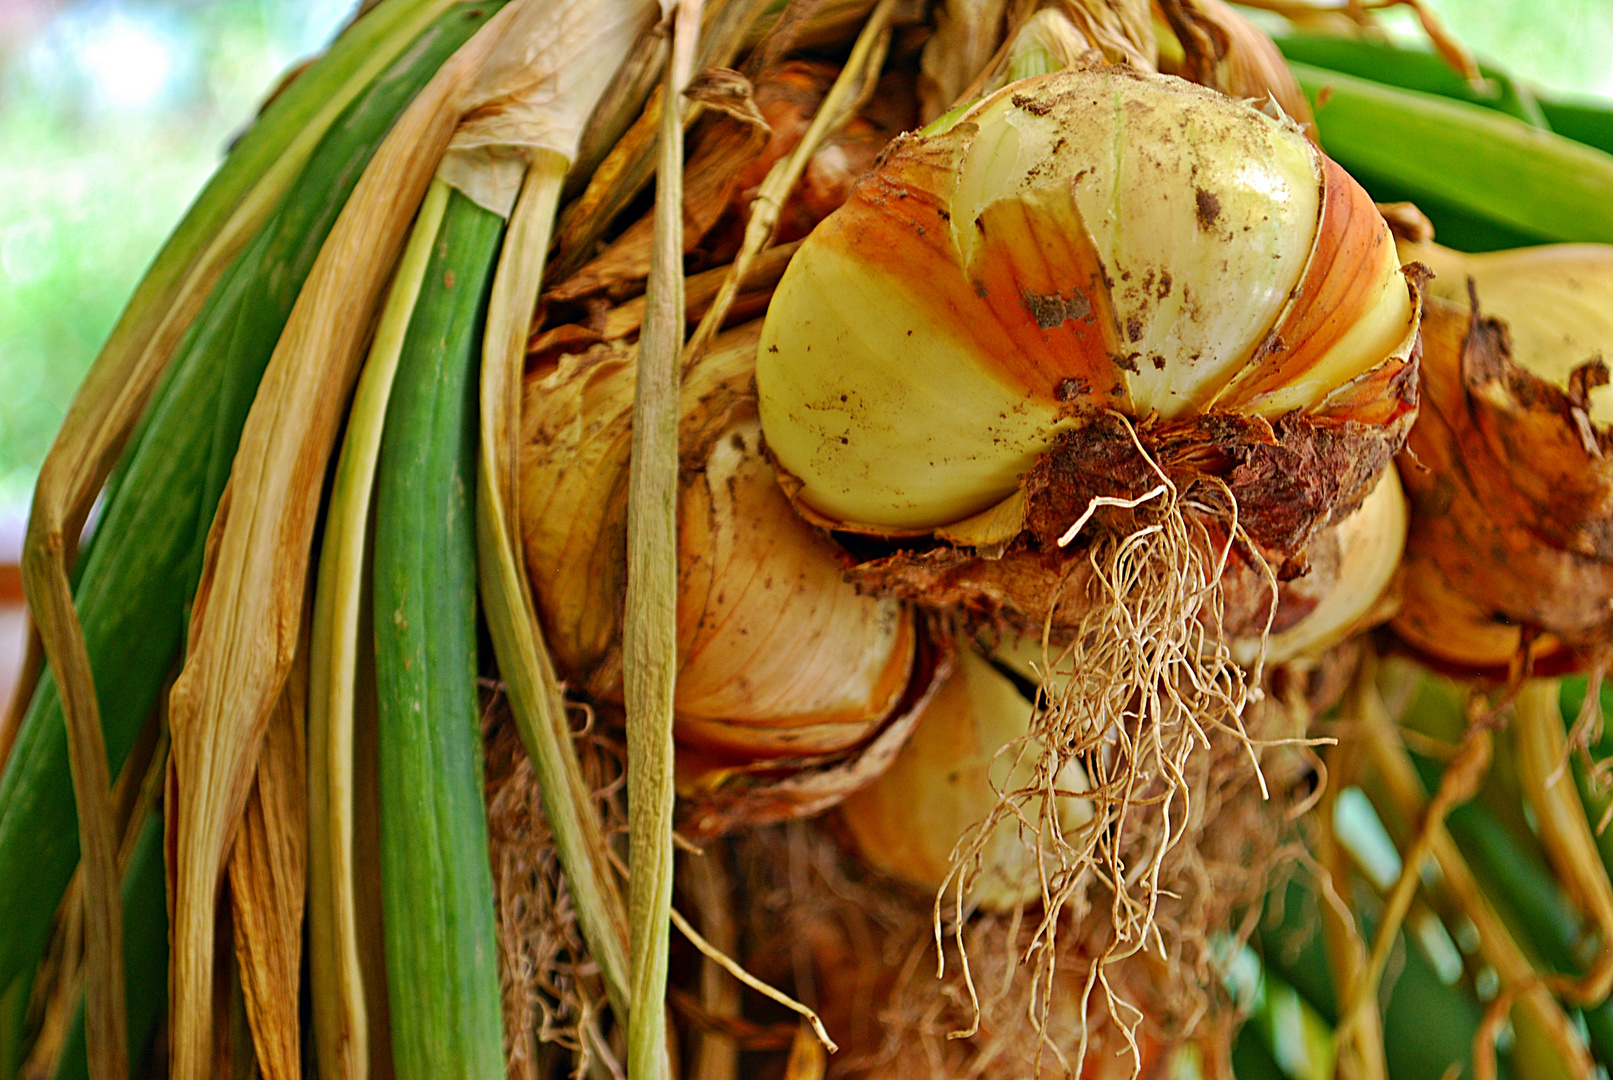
(1415, 69)
(98, 424)
(146, 558)
(524, 662)
(340, 1013)
(1250, 1058)
(1589, 121)
(437, 884)
(13, 1024)
(1487, 164)
(649, 640)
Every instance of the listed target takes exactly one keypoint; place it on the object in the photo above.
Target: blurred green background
(113, 112)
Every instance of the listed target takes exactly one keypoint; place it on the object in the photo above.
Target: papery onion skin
(1557, 306)
(778, 655)
(1078, 243)
(1507, 467)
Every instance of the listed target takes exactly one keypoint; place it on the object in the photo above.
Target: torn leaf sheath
(1495, 564)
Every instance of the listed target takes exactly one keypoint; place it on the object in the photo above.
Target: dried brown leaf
(268, 878)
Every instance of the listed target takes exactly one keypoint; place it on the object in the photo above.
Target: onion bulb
(778, 655)
(1511, 486)
(945, 782)
(1081, 266)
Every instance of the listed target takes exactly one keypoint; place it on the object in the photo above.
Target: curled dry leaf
(735, 134)
(1511, 544)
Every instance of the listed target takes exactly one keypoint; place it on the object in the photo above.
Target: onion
(1098, 360)
(1076, 243)
(778, 656)
(945, 782)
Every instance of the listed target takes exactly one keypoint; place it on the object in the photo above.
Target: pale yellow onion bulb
(908, 821)
(778, 655)
(1086, 239)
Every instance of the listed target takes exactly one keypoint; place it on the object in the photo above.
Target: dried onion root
(869, 944)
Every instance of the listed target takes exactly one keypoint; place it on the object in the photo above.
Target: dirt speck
(1054, 309)
(1031, 105)
(1209, 208)
(1072, 388)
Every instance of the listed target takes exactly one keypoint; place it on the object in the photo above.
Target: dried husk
(1121, 30)
(732, 153)
(1508, 558)
(1038, 38)
(552, 997)
(1551, 405)
(967, 33)
(1223, 50)
(1349, 587)
(760, 593)
(723, 144)
(969, 744)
